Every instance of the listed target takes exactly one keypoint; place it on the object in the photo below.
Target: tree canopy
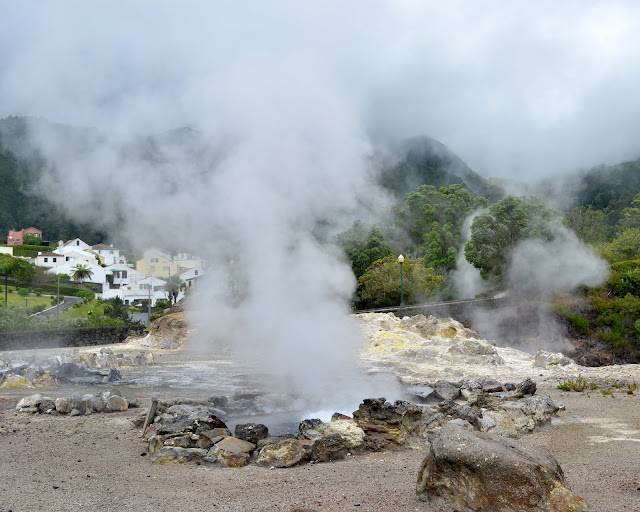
(363, 245)
(380, 284)
(495, 233)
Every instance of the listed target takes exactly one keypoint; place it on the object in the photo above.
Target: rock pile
(76, 405)
(85, 367)
(185, 430)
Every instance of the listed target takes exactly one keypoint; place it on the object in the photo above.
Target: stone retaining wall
(66, 337)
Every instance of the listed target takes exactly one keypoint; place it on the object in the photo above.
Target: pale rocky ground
(95, 462)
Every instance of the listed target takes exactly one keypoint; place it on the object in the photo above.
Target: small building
(109, 254)
(17, 237)
(158, 263)
(49, 259)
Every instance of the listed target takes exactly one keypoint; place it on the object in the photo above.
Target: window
(67, 258)
(154, 260)
(123, 274)
(166, 269)
(54, 259)
(46, 260)
(195, 272)
(77, 242)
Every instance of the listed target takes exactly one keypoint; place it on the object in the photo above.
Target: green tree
(625, 246)
(433, 220)
(379, 286)
(31, 240)
(495, 233)
(22, 271)
(631, 215)
(172, 287)
(81, 272)
(116, 308)
(363, 245)
(591, 226)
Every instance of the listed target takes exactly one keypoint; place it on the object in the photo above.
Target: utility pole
(149, 306)
(5, 289)
(58, 301)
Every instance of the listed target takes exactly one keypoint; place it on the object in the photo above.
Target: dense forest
(443, 216)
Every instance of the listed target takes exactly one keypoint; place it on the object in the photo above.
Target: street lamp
(401, 261)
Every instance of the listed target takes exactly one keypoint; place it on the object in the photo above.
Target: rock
(426, 393)
(15, 381)
(45, 380)
(329, 447)
(185, 441)
(47, 406)
(445, 390)
(96, 401)
(251, 432)
(29, 402)
(187, 418)
(284, 454)
(114, 374)
(512, 418)
(474, 471)
(491, 386)
(64, 405)
(116, 403)
(311, 429)
(351, 434)
(175, 455)
(207, 438)
(231, 452)
(382, 424)
(470, 387)
(545, 359)
(526, 387)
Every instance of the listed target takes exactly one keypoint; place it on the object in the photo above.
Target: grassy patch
(31, 300)
(82, 310)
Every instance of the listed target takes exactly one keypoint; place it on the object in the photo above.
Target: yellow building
(158, 263)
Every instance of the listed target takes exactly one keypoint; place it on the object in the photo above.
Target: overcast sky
(520, 89)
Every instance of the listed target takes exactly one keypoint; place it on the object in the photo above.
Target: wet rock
(481, 472)
(219, 401)
(283, 454)
(231, 452)
(329, 447)
(251, 432)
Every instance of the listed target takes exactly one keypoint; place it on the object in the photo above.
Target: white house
(109, 254)
(76, 243)
(136, 291)
(99, 275)
(189, 276)
(48, 259)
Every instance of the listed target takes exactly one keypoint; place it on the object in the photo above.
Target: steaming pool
(251, 394)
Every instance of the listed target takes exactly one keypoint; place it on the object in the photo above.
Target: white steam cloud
(560, 265)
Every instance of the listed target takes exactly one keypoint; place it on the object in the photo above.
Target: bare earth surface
(62, 463)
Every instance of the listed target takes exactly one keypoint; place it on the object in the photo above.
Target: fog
(286, 97)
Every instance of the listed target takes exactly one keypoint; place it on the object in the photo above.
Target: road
(68, 302)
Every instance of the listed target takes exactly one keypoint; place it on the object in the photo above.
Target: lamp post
(401, 261)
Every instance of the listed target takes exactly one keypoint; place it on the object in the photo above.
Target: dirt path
(61, 463)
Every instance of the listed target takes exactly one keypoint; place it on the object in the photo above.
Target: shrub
(23, 292)
(163, 304)
(87, 294)
(38, 292)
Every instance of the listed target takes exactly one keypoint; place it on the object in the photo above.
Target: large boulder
(476, 471)
(284, 454)
(512, 418)
(231, 452)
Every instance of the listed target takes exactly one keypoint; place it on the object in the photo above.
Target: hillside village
(143, 280)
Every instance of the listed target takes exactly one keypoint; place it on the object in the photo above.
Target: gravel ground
(61, 463)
